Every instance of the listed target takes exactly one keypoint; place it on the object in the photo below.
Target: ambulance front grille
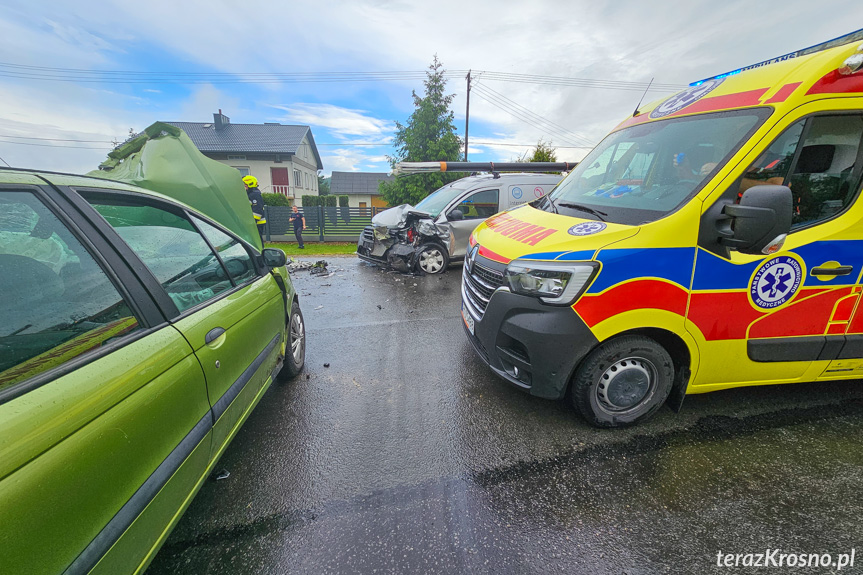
(479, 284)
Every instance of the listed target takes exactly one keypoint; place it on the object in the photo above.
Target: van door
(777, 314)
(474, 208)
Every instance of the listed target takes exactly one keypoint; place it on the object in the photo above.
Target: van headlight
(557, 283)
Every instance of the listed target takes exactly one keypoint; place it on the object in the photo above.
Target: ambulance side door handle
(832, 272)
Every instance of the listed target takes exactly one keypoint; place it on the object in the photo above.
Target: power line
(546, 127)
(57, 145)
(530, 145)
(5, 162)
(540, 119)
(56, 139)
(48, 73)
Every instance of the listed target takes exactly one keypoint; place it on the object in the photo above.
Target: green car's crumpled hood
(163, 159)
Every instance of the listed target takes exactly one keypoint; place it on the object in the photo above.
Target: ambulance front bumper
(534, 346)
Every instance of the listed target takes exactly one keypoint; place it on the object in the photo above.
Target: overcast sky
(624, 42)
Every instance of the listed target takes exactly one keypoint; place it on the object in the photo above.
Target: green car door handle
(213, 335)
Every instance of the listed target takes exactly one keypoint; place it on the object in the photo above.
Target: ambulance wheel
(432, 259)
(622, 382)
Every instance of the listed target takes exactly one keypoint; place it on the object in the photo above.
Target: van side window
(480, 205)
(170, 247)
(58, 304)
(821, 169)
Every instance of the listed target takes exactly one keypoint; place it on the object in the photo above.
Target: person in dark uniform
(257, 201)
(299, 225)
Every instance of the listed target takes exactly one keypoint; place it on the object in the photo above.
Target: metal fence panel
(322, 223)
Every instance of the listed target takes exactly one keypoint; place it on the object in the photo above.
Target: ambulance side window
(819, 159)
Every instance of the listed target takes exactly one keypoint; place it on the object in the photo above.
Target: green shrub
(343, 201)
(329, 201)
(311, 201)
(276, 200)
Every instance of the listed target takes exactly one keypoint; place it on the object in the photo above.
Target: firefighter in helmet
(257, 201)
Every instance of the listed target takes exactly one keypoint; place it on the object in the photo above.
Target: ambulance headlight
(557, 283)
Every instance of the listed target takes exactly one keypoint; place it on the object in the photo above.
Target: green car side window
(233, 254)
(170, 246)
(57, 303)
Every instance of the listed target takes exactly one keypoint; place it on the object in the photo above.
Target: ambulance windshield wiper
(583, 208)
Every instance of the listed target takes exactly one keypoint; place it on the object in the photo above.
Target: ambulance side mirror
(762, 218)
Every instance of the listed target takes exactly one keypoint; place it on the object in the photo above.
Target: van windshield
(439, 199)
(642, 173)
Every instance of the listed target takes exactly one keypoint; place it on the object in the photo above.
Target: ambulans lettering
(518, 230)
(775, 282)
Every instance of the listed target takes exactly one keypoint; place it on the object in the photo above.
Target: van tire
(432, 259)
(622, 382)
(295, 350)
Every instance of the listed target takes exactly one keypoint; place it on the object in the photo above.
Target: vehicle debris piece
(221, 474)
(319, 268)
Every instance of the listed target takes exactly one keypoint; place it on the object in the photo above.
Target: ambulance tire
(622, 382)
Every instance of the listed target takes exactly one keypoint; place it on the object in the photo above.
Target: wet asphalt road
(407, 455)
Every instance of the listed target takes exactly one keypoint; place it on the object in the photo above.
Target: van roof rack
(845, 39)
(410, 168)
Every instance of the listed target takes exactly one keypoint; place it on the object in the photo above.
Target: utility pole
(467, 116)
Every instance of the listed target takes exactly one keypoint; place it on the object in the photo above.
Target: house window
(244, 170)
(298, 179)
(306, 178)
(230, 157)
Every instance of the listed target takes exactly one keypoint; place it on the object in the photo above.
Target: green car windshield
(644, 172)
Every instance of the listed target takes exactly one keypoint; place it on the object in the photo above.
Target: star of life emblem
(586, 228)
(775, 282)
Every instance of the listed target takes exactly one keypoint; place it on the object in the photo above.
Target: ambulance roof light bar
(410, 168)
(846, 39)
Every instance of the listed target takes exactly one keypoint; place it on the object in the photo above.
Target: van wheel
(432, 259)
(622, 382)
(295, 352)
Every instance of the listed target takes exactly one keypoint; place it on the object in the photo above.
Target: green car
(136, 336)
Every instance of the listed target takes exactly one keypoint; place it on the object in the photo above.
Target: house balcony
(284, 190)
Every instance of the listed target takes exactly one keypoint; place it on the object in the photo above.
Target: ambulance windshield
(644, 172)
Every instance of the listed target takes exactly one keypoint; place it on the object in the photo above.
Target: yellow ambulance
(713, 240)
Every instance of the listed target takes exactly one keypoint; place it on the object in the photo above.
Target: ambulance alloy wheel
(623, 381)
(432, 259)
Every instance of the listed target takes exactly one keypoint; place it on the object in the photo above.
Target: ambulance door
(782, 317)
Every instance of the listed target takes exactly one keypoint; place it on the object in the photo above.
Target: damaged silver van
(425, 238)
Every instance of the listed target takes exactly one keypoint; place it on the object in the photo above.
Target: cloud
(341, 121)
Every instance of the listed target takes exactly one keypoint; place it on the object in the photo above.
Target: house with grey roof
(283, 158)
(362, 187)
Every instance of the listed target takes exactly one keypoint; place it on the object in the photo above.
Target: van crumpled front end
(405, 240)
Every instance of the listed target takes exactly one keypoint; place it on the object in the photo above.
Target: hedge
(311, 201)
(276, 200)
(343, 201)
